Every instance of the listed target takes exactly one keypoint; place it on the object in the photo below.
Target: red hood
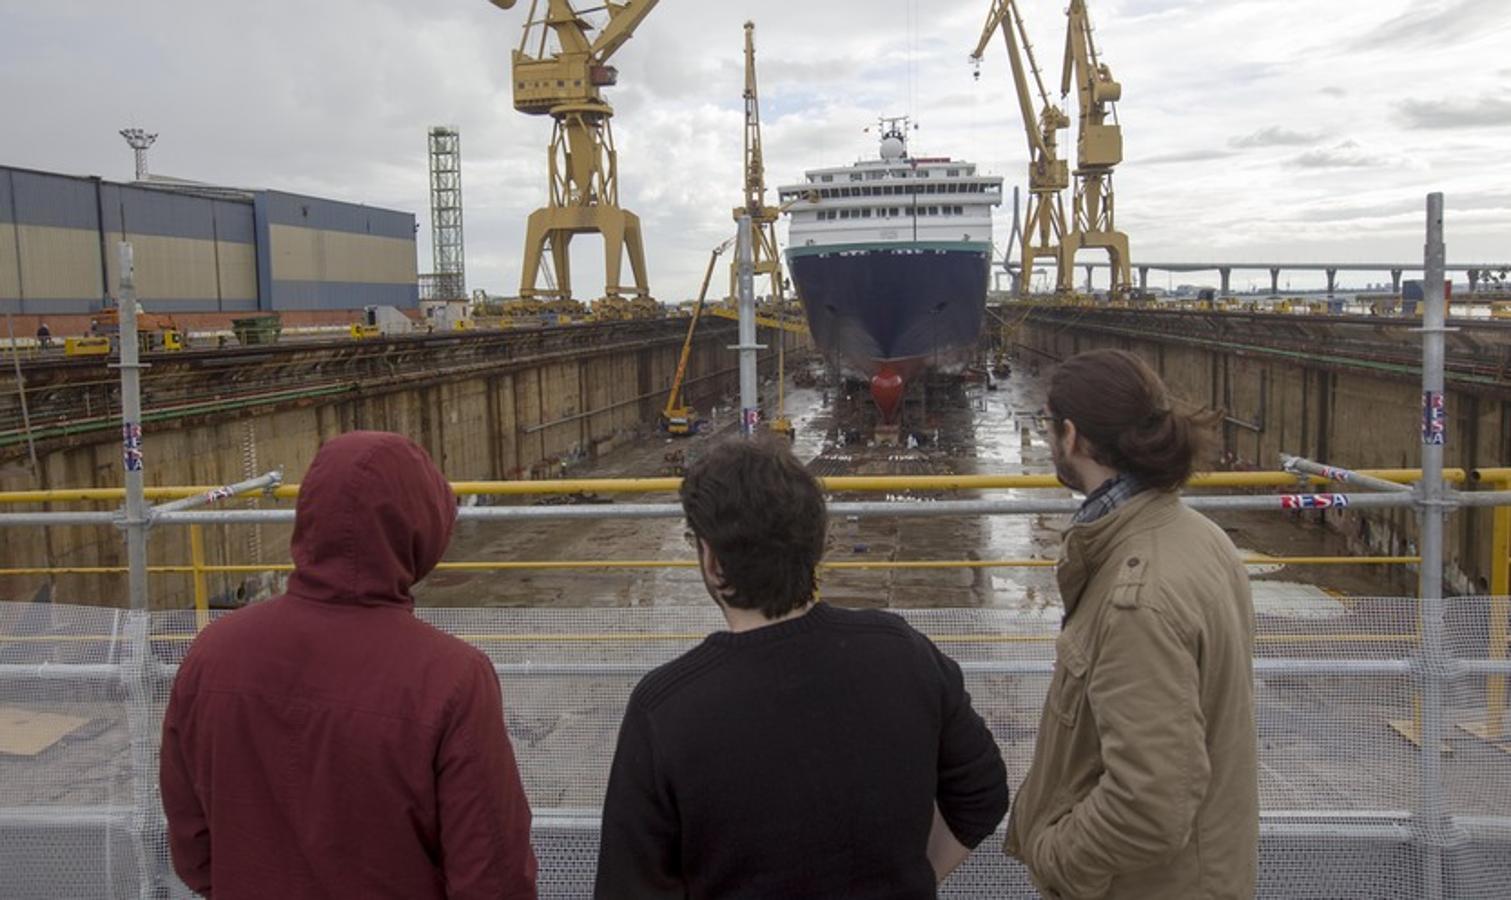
(374, 516)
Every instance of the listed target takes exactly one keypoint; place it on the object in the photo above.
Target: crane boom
(624, 18)
(1004, 15)
(1048, 175)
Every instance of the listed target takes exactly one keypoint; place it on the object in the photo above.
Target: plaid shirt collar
(1114, 492)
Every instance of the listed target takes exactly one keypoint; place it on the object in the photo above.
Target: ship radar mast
(894, 136)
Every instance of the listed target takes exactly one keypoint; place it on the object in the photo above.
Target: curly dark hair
(764, 518)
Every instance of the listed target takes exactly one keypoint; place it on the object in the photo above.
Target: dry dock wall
(1352, 419)
(519, 421)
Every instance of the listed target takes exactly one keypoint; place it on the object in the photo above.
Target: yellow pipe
(199, 568)
(855, 483)
(201, 582)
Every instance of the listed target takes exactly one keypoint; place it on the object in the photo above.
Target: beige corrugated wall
(10, 272)
(310, 254)
(55, 263)
(169, 268)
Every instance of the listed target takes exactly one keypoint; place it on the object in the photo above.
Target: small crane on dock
(1048, 175)
(679, 419)
(1099, 148)
(565, 84)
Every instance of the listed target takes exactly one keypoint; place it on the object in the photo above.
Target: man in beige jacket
(1144, 782)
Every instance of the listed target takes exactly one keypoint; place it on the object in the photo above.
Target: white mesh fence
(1340, 787)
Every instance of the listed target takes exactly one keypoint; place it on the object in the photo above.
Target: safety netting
(1340, 702)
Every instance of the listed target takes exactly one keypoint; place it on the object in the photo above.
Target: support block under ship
(892, 264)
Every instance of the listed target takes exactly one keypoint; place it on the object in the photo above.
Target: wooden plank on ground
(27, 732)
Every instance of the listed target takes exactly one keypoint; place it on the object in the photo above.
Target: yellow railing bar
(201, 581)
(857, 483)
(199, 568)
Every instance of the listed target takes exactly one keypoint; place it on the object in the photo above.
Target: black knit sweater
(802, 759)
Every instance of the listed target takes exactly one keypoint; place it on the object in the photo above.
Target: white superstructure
(893, 199)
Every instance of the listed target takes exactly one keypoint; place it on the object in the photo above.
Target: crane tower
(563, 79)
(447, 248)
(1099, 148)
(763, 218)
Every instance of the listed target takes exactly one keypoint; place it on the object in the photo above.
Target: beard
(1063, 471)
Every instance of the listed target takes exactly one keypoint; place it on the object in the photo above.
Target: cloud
(1333, 90)
(1484, 112)
(1274, 136)
(1437, 24)
(1347, 155)
(1183, 156)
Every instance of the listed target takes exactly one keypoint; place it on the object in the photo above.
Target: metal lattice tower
(446, 213)
(139, 141)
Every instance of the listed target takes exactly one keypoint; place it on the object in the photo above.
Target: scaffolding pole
(1435, 828)
(136, 517)
(750, 408)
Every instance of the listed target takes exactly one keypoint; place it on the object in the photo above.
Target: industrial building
(198, 248)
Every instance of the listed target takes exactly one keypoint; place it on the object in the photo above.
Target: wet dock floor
(958, 429)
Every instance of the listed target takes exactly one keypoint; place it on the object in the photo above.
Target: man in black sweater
(808, 751)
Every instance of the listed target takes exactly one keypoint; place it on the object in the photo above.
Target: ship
(891, 257)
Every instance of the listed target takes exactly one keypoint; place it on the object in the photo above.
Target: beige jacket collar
(1086, 547)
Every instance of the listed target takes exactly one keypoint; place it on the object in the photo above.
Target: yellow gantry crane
(564, 83)
(763, 218)
(1099, 148)
(1048, 175)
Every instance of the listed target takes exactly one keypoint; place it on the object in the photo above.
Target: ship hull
(894, 308)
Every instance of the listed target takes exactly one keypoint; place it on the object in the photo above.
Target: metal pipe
(903, 509)
(1360, 668)
(215, 495)
(879, 508)
(1433, 827)
(136, 519)
(1333, 473)
(750, 410)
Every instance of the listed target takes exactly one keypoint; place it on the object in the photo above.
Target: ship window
(828, 177)
(933, 210)
(953, 173)
(865, 213)
(855, 176)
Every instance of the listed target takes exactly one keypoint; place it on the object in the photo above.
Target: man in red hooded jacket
(326, 743)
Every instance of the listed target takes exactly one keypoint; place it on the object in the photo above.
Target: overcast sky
(1253, 129)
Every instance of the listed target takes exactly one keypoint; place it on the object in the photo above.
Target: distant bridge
(1476, 271)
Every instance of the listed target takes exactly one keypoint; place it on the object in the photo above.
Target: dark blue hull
(907, 308)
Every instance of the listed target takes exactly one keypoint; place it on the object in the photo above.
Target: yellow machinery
(360, 332)
(155, 333)
(1048, 175)
(564, 83)
(678, 418)
(86, 346)
(763, 218)
(1099, 148)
